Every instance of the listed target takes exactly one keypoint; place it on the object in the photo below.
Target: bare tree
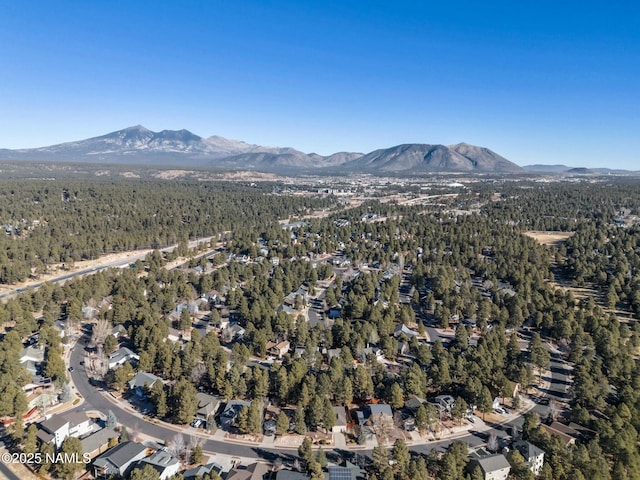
(134, 433)
(100, 364)
(381, 425)
(177, 446)
(492, 442)
(227, 335)
(198, 373)
(101, 330)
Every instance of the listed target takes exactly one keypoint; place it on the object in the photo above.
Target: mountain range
(140, 146)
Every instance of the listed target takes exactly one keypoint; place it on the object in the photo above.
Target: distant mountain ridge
(564, 169)
(416, 157)
(139, 146)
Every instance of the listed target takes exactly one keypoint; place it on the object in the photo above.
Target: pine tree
(282, 423)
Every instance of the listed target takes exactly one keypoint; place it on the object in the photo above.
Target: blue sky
(545, 82)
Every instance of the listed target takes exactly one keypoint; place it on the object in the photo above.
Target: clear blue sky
(545, 82)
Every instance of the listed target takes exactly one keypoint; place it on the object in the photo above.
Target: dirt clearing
(549, 237)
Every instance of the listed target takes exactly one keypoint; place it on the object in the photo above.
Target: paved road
(114, 263)
(95, 400)
(5, 472)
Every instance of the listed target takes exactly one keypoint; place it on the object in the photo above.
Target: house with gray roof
(533, 456)
(119, 459)
(163, 462)
(231, 411)
(404, 330)
(97, 442)
(142, 379)
(291, 475)
(201, 471)
(340, 425)
(494, 467)
(31, 358)
(120, 356)
(375, 414)
(414, 403)
(208, 406)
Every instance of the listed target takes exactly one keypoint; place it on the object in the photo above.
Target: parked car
(499, 410)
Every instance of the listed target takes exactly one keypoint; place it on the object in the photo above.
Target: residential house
(119, 459)
(97, 442)
(255, 471)
(192, 307)
(445, 401)
(533, 456)
(300, 351)
(141, 381)
(31, 358)
(380, 409)
(176, 335)
(288, 310)
(118, 331)
(331, 353)
(163, 462)
(290, 299)
(60, 327)
(414, 403)
(347, 472)
(201, 471)
(404, 349)
(564, 432)
(121, 356)
(375, 415)
(404, 330)
(291, 475)
(58, 427)
(377, 352)
(340, 426)
(231, 411)
(232, 333)
(208, 406)
(278, 349)
(494, 467)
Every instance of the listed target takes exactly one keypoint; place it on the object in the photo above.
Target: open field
(549, 237)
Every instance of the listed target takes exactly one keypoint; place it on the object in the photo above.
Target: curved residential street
(96, 400)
